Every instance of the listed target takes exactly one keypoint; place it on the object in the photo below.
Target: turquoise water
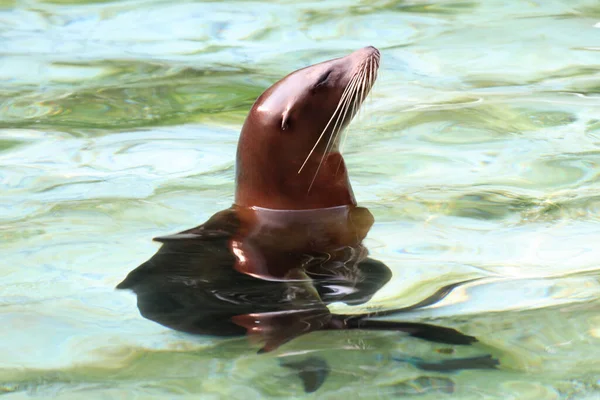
(477, 153)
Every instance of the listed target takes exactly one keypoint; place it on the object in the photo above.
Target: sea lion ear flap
(285, 119)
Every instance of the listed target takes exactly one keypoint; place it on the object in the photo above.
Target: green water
(478, 153)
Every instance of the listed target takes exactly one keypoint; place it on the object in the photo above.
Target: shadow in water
(271, 274)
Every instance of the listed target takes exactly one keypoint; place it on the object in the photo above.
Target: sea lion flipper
(176, 236)
(202, 234)
(428, 332)
(221, 225)
(278, 328)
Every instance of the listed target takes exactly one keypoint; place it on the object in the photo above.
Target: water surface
(478, 153)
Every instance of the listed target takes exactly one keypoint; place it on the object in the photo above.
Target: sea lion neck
(274, 183)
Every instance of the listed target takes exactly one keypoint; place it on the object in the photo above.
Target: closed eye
(323, 78)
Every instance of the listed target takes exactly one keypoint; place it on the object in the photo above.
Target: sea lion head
(288, 155)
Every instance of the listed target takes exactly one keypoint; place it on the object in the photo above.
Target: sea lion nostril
(373, 50)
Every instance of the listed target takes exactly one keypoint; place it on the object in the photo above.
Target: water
(478, 154)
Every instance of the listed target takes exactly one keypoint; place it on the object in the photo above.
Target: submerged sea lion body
(194, 282)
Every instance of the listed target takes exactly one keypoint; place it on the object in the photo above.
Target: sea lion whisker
(339, 119)
(360, 96)
(355, 105)
(368, 76)
(335, 115)
(371, 72)
(374, 68)
(374, 77)
(326, 126)
(343, 104)
(351, 102)
(364, 91)
(355, 108)
(363, 87)
(338, 126)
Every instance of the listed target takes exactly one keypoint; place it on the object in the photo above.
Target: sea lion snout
(365, 54)
(369, 50)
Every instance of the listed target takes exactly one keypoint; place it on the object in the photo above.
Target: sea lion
(288, 153)
(291, 244)
(288, 167)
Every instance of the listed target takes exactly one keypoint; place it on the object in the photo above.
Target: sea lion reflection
(269, 273)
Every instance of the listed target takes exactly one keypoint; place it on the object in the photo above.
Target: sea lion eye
(323, 78)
